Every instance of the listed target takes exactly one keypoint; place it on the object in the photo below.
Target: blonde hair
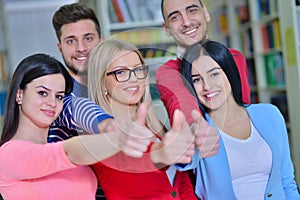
(99, 60)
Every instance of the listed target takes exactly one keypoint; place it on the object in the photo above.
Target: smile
(211, 95)
(81, 58)
(190, 31)
(132, 89)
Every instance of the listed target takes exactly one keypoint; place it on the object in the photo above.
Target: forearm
(89, 149)
(156, 156)
(88, 115)
(174, 94)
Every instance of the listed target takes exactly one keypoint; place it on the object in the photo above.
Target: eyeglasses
(123, 75)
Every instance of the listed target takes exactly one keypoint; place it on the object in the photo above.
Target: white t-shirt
(250, 162)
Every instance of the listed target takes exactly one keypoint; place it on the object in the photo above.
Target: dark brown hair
(71, 13)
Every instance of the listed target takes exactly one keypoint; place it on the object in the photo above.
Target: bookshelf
(144, 29)
(290, 30)
(4, 60)
(140, 25)
(268, 34)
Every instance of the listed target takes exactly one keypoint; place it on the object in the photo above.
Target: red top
(175, 95)
(125, 178)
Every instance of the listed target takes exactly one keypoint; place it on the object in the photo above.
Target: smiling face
(77, 40)
(211, 84)
(42, 100)
(186, 21)
(127, 93)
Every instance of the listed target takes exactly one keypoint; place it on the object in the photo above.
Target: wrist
(155, 155)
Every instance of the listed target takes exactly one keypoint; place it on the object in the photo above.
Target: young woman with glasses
(118, 81)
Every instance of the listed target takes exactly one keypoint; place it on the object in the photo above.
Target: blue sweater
(213, 178)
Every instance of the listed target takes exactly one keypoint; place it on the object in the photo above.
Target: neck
(80, 78)
(29, 131)
(38, 136)
(226, 114)
(122, 110)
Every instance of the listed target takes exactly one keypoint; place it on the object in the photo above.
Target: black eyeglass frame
(130, 71)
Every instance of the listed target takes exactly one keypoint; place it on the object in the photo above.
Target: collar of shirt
(180, 52)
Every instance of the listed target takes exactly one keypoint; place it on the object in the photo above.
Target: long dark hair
(219, 53)
(30, 68)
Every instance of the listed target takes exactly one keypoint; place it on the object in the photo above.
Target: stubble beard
(76, 71)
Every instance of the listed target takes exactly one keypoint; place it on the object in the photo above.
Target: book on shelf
(242, 11)
(254, 97)
(271, 35)
(132, 6)
(251, 72)
(280, 101)
(223, 21)
(114, 18)
(3, 67)
(247, 42)
(266, 8)
(157, 50)
(118, 11)
(141, 36)
(3, 96)
(274, 68)
(136, 10)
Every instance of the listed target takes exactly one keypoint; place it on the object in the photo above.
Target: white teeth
(132, 89)
(211, 95)
(189, 32)
(81, 58)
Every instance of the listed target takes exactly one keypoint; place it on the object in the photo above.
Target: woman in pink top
(33, 169)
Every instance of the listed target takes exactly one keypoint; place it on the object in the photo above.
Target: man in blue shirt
(78, 31)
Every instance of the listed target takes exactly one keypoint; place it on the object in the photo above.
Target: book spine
(118, 10)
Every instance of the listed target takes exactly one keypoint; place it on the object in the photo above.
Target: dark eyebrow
(74, 37)
(195, 75)
(188, 7)
(45, 88)
(192, 6)
(213, 69)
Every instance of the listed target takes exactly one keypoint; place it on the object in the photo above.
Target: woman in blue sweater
(254, 160)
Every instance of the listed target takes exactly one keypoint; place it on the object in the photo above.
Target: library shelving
(4, 60)
(142, 26)
(267, 32)
(290, 31)
(139, 22)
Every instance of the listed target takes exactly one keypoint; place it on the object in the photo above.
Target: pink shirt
(42, 171)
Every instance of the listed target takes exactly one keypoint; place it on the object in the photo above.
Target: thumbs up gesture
(177, 145)
(134, 137)
(206, 137)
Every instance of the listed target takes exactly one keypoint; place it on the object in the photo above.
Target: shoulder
(235, 52)
(170, 65)
(262, 107)
(238, 57)
(264, 111)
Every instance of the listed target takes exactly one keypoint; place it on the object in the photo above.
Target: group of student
(69, 132)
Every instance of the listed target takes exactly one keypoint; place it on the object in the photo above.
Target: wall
(30, 28)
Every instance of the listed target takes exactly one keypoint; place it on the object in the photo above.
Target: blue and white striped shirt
(78, 114)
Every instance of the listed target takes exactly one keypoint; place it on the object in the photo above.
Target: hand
(134, 136)
(206, 136)
(107, 125)
(177, 145)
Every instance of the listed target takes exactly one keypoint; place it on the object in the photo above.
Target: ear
(206, 14)
(101, 38)
(59, 47)
(19, 96)
(165, 27)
